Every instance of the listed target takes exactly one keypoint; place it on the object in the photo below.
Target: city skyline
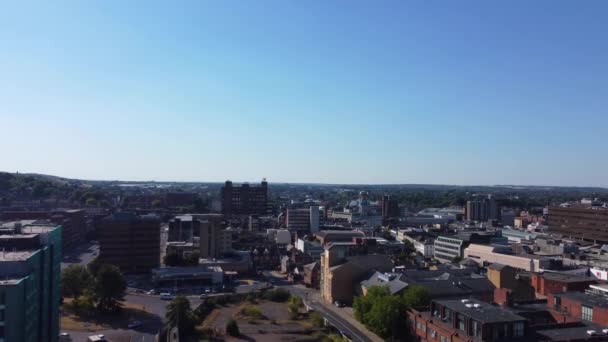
(445, 93)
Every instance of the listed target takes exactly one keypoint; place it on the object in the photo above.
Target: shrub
(316, 319)
(278, 295)
(232, 328)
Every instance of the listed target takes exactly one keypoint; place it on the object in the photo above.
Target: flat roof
(587, 299)
(566, 278)
(16, 256)
(480, 311)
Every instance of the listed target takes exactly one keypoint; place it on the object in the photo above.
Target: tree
(232, 328)
(94, 266)
(156, 203)
(180, 314)
(173, 259)
(75, 279)
(294, 307)
(91, 202)
(416, 296)
(382, 313)
(192, 259)
(278, 295)
(316, 319)
(109, 289)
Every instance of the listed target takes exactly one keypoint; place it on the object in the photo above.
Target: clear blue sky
(452, 92)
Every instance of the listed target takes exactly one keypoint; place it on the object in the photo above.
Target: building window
(475, 328)
(557, 302)
(587, 313)
(518, 329)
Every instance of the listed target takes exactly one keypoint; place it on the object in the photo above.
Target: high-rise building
(130, 242)
(303, 220)
(244, 199)
(215, 241)
(482, 210)
(585, 223)
(184, 228)
(390, 207)
(30, 274)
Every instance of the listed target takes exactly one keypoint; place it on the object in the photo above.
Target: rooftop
(587, 299)
(480, 311)
(565, 278)
(16, 255)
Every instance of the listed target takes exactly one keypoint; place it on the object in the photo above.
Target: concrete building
(201, 276)
(584, 223)
(329, 236)
(215, 241)
(30, 273)
(312, 248)
(507, 217)
(423, 244)
(494, 254)
(451, 283)
(303, 220)
(72, 221)
(446, 248)
(390, 207)
(130, 242)
(514, 235)
(481, 210)
(184, 228)
(244, 199)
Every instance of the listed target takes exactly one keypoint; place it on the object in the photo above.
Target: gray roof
(394, 284)
(480, 311)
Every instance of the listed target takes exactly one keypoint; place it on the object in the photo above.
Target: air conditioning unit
(591, 332)
(476, 305)
(464, 300)
(469, 305)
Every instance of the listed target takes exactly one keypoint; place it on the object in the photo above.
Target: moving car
(134, 324)
(166, 296)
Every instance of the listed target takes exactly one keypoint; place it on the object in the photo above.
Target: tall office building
(30, 274)
(215, 241)
(390, 207)
(130, 242)
(482, 210)
(303, 220)
(244, 199)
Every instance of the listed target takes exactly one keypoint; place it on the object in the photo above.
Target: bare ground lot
(273, 325)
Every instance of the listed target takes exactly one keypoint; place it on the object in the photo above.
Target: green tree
(110, 287)
(232, 328)
(416, 296)
(156, 203)
(192, 259)
(316, 319)
(75, 279)
(94, 266)
(180, 314)
(91, 202)
(173, 259)
(294, 307)
(382, 313)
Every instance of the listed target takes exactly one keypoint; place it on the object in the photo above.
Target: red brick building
(575, 306)
(547, 283)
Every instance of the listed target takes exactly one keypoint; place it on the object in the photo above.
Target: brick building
(244, 199)
(574, 306)
(130, 242)
(548, 282)
(579, 222)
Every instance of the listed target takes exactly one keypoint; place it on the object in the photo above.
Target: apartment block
(244, 199)
(30, 272)
(130, 242)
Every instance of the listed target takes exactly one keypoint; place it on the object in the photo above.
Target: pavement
(81, 255)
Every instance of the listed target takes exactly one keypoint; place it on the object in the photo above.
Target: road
(339, 320)
(82, 254)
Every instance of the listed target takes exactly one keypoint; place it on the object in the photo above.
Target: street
(335, 316)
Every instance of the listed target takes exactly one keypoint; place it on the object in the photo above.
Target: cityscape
(121, 261)
(303, 171)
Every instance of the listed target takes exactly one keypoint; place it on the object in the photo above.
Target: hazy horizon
(445, 93)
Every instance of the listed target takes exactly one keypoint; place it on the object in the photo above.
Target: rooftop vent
(464, 300)
(469, 305)
(591, 332)
(476, 305)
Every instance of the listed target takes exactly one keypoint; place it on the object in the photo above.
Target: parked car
(166, 296)
(65, 337)
(152, 292)
(339, 304)
(97, 338)
(202, 296)
(134, 324)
